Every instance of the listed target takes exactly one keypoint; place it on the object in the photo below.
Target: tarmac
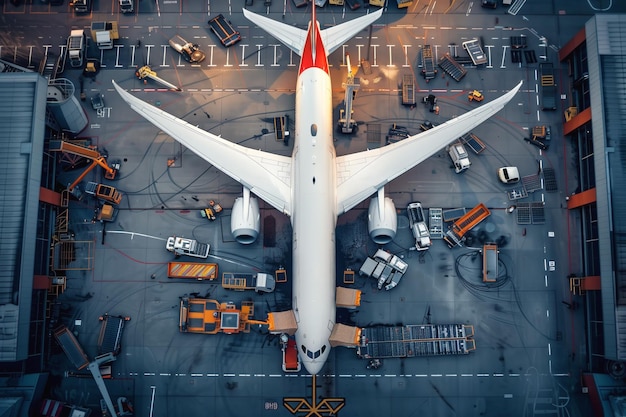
(529, 328)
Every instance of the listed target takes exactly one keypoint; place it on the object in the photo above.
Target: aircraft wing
(362, 174)
(294, 38)
(265, 174)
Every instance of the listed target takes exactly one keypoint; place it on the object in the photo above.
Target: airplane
(314, 186)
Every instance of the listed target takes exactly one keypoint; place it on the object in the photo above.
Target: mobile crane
(86, 152)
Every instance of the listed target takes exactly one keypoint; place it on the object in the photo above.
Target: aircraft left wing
(265, 174)
(362, 174)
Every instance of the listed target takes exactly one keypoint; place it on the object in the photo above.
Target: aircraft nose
(313, 368)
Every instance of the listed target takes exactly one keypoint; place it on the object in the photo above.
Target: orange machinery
(88, 153)
(455, 234)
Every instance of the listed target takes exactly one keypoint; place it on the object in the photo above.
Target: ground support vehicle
(540, 136)
(103, 192)
(413, 340)
(426, 125)
(192, 270)
(417, 223)
(431, 101)
(451, 67)
(107, 213)
(490, 262)
(408, 90)
(224, 30)
(346, 123)
(404, 3)
(104, 33)
(475, 95)
(127, 6)
(110, 338)
(145, 72)
(89, 153)
(97, 101)
(459, 157)
(548, 87)
(76, 44)
(386, 268)
(291, 360)
(190, 247)
(71, 347)
(190, 51)
(508, 175)
(475, 51)
(455, 235)
(347, 297)
(396, 133)
(81, 6)
(429, 71)
(200, 315)
(473, 142)
(259, 282)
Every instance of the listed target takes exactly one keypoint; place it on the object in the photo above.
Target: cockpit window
(323, 348)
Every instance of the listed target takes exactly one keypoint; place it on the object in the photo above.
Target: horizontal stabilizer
(290, 36)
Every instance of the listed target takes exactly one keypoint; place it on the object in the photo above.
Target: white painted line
(467, 374)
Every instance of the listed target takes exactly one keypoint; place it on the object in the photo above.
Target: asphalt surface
(530, 343)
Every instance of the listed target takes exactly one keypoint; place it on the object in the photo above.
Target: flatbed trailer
(192, 270)
(408, 90)
(240, 281)
(429, 71)
(435, 222)
(71, 347)
(454, 236)
(110, 337)
(473, 142)
(451, 67)
(548, 87)
(414, 340)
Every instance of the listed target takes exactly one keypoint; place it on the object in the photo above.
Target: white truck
(459, 157)
(189, 247)
(127, 6)
(417, 222)
(76, 47)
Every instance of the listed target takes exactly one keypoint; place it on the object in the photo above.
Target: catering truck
(459, 157)
(417, 222)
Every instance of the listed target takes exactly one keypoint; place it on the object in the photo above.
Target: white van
(508, 175)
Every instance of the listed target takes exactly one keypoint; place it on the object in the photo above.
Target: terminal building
(595, 125)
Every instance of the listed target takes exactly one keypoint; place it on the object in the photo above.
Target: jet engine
(382, 220)
(245, 220)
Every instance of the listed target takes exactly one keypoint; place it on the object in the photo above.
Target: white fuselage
(314, 217)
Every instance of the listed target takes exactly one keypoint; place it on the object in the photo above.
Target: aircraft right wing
(265, 174)
(362, 174)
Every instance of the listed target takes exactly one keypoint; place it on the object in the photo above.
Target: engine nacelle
(245, 222)
(382, 227)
